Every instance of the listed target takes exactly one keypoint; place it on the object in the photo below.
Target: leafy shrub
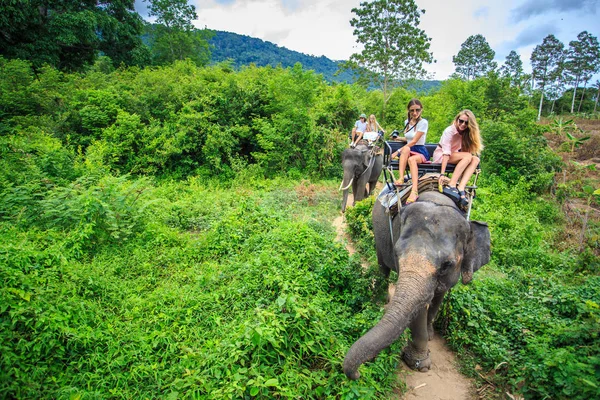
(514, 152)
(528, 318)
(360, 226)
(251, 298)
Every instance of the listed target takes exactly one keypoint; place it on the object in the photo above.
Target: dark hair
(412, 102)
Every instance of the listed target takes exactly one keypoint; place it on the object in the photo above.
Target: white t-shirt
(360, 126)
(422, 126)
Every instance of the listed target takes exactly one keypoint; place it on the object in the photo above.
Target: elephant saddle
(390, 194)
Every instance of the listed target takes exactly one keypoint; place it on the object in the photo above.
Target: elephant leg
(355, 194)
(433, 310)
(360, 190)
(372, 185)
(416, 353)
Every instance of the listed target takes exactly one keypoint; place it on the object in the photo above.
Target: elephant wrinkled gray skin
(361, 166)
(433, 245)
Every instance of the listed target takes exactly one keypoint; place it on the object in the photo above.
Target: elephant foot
(419, 362)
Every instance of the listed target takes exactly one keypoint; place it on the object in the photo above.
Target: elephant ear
(477, 250)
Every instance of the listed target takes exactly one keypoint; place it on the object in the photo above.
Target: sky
(322, 27)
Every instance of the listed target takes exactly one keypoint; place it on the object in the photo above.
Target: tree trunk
(597, 95)
(541, 101)
(574, 91)
(582, 94)
(385, 91)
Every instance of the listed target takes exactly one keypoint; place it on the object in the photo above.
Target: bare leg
(462, 160)
(404, 154)
(413, 162)
(468, 173)
(358, 137)
(354, 134)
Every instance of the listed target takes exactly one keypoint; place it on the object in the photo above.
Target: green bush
(515, 152)
(529, 317)
(191, 291)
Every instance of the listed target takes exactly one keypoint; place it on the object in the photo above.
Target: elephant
(430, 244)
(361, 166)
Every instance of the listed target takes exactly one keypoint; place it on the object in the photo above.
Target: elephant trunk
(348, 177)
(414, 290)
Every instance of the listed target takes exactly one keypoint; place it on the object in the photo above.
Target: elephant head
(361, 166)
(430, 244)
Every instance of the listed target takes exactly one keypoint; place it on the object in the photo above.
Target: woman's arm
(415, 139)
(445, 159)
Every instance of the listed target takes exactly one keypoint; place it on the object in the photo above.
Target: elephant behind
(430, 244)
(361, 166)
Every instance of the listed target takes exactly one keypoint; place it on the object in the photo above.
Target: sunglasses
(415, 110)
(463, 121)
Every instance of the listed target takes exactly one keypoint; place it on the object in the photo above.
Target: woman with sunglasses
(460, 144)
(414, 152)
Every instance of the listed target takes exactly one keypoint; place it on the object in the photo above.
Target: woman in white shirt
(414, 152)
(373, 129)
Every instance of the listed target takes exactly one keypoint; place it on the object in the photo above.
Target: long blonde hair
(471, 137)
(374, 129)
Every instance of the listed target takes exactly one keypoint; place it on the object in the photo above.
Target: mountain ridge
(245, 50)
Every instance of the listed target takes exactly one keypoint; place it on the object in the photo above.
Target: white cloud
(313, 27)
(322, 27)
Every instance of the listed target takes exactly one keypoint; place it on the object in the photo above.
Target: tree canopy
(394, 47)
(174, 37)
(475, 58)
(583, 60)
(545, 60)
(512, 68)
(70, 35)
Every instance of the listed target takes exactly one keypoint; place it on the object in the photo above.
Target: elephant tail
(346, 188)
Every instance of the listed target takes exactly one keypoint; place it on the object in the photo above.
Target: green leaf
(254, 391)
(589, 383)
(272, 382)
(280, 301)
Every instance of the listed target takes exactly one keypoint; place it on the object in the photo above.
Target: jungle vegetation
(167, 231)
(165, 222)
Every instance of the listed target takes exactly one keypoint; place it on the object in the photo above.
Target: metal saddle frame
(428, 175)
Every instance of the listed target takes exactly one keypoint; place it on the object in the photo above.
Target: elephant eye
(446, 265)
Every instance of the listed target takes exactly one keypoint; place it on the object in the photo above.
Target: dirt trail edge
(442, 381)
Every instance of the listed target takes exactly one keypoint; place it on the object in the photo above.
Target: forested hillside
(245, 50)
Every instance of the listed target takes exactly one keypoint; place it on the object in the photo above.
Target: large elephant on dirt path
(430, 244)
(362, 165)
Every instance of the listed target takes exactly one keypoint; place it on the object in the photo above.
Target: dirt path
(442, 381)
